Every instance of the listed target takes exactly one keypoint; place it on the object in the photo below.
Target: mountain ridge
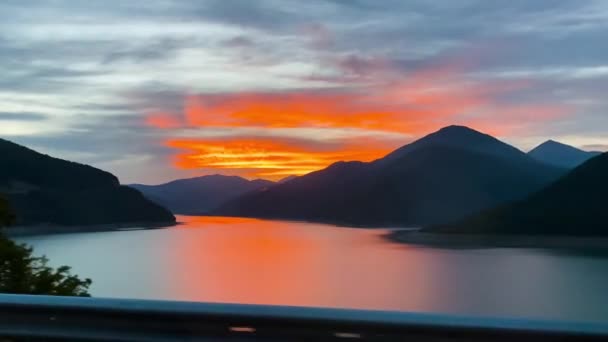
(576, 204)
(44, 189)
(198, 195)
(561, 155)
(410, 186)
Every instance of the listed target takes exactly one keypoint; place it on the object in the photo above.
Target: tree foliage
(23, 273)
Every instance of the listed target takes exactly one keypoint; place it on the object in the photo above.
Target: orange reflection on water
(240, 260)
(237, 260)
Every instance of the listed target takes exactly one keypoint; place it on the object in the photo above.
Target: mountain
(460, 137)
(287, 179)
(442, 177)
(43, 189)
(574, 205)
(561, 155)
(201, 194)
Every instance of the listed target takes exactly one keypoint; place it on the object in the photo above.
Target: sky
(156, 90)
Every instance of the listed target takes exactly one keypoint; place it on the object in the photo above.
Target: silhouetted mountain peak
(458, 129)
(461, 137)
(555, 144)
(461, 134)
(559, 154)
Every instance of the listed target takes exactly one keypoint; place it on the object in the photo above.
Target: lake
(237, 260)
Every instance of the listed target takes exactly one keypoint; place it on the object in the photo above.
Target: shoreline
(339, 224)
(462, 241)
(52, 229)
(411, 236)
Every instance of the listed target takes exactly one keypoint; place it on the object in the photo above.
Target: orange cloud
(162, 120)
(405, 106)
(422, 101)
(414, 104)
(272, 158)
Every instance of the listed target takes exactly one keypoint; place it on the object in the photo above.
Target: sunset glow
(399, 107)
(270, 158)
(161, 120)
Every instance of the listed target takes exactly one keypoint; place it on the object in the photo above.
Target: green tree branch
(23, 273)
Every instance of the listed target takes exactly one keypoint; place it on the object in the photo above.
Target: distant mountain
(201, 194)
(287, 179)
(444, 176)
(574, 205)
(561, 155)
(43, 189)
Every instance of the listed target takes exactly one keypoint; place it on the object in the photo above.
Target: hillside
(201, 194)
(43, 189)
(561, 155)
(574, 205)
(445, 176)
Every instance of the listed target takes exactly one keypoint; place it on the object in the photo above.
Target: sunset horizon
(271, 89)
(304, 170)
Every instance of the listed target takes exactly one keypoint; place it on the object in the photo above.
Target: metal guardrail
(65, 318)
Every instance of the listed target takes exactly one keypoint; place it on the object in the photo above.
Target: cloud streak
(410, 104)
(21, 116)
(271, 158)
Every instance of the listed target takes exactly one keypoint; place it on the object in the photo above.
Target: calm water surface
(251, 261)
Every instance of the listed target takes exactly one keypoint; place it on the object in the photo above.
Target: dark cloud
(45, 79)
(102, 107)
(239, 41)
(159, 50)
(254, 14)
(155, 99)
(361, 66)
(22, 116)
